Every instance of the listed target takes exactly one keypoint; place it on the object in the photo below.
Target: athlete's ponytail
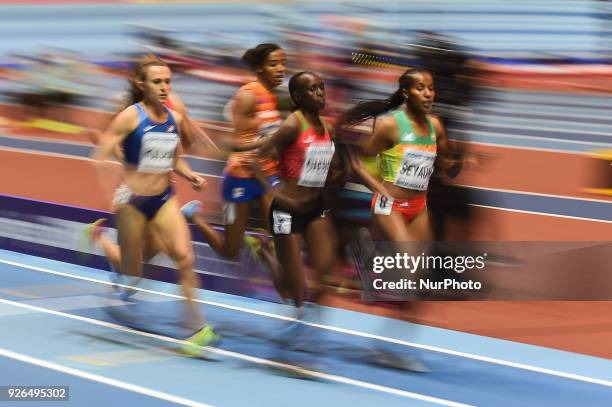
(373, 108)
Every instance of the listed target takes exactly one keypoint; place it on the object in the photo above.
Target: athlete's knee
(184, 257)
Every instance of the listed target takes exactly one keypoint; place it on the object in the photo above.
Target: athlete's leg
(131, 231)
(153, 245)
(400, 231)
(419, 227)
(94, 233)
(174, 234)
(289, 254)
(392, 227)
(266, 202)
(268, 248)
(228, 243)
(321, 244)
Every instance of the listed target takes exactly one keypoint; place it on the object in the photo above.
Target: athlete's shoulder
(386, 128)
(436, 122)
(253, 87)
(294, 120)
(129, 114)
(243, 102)
(434, 118)
(386, 122)
(125, 122)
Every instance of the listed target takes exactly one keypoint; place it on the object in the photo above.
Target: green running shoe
(254, 246)
(93, 230)
(90, 234)
(203, 338)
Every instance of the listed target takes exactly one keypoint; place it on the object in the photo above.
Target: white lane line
(539, 139)
(343, 330)
(100, 379)
(49, 154)
(236, 355)
(541, 213)
(49, 140)
(574, 109)
(492, 121)
(516, 191)
(517, 147)
(549, 129)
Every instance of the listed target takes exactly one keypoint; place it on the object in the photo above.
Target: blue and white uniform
(151, 148)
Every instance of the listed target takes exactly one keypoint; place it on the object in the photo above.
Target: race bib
(383, 205)
(316, 165)
(123, 193)
(281, 222)
(229, 213)
(157, 152)
(415, 170)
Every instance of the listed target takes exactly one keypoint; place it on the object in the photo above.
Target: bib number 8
(383, 205)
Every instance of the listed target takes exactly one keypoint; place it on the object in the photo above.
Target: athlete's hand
(198, 182)
(471, 162)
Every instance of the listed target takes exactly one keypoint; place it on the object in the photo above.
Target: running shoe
(93, 230)
(254, 246)
(191, 208)
(123, 286)
(300, 334)
(90, 235)
(257, 242)
(206, 336)
(392, 360)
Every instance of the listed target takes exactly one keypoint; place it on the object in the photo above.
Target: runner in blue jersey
(148, 135)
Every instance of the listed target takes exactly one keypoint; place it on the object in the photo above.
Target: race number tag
(383, 205)
(229, 213)
(157, 152)
(123, 193)
(415, 170)
(316, 165)
(281, 222)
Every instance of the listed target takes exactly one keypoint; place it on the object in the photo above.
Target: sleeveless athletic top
(410, 163)
(269, 121)
(309, 157)
(152, 145)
